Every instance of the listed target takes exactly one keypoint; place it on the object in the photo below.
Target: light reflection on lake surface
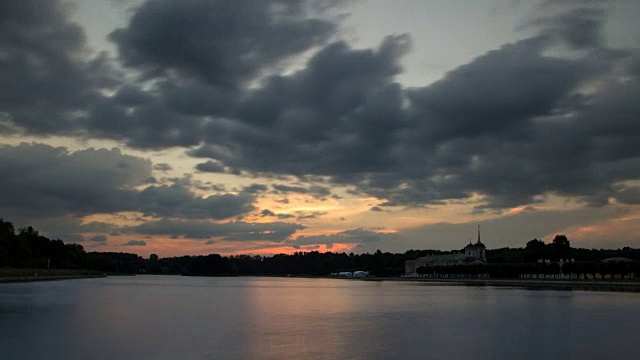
(164, 317)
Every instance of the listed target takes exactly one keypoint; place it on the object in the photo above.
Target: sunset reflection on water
(171, 317)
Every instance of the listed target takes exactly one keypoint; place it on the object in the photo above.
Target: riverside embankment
(46, 278)
(551, 284)
(30, 275)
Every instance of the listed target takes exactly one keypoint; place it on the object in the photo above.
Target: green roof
(440, 257)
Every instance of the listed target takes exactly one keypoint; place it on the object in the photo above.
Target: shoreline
(24, 279)
(534, 284)
(590, 285)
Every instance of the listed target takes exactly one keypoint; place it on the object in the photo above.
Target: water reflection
(212, 318)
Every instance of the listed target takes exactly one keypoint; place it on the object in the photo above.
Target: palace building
(473, 254)
(477, 251)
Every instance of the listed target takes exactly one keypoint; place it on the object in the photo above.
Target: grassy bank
(24, 275)
(575, 284)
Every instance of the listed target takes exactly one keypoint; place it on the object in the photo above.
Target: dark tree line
(578, 270)
(311, 263)
(559, 248)
(540, 260)
(26, 248)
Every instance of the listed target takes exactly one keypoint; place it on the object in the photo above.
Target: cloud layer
(48, 181)
(553, 114)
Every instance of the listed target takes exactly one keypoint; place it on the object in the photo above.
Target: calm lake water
(165, 317)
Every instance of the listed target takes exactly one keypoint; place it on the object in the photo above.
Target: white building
(473, 254)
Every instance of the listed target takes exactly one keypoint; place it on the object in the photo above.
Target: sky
(262, 127)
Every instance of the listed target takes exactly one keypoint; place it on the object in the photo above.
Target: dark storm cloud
(98, 239)
(162, 167)
(130, 96)
(231, 231)
(634, 63)
(42, 180)
(96, 227)
(74, 238)
(49, 181)
(577, 23)
(267, 212)
(50, 83)
(354, 236)
(337, 116)
(499, 92)
(475, 130)
(310, 215)
(210, 166)
(177, 200)
(629, 195)
(46, 76)
(151, 125)
(511, 125)
(314, 190)
(255, 189)
(194, 97)
(135, 243)
(226, 42)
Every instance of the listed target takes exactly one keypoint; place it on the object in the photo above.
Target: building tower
(481, 250)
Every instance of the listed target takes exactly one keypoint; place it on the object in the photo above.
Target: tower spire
(478, 233)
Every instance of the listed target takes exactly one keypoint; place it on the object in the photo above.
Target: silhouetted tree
(534, 250)
(7, 243)
(560, 248)
(154, 265)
